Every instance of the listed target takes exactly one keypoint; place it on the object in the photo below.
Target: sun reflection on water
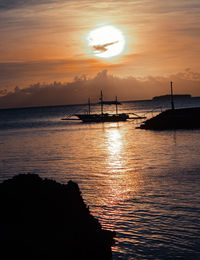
(115, 162)
(119, 178)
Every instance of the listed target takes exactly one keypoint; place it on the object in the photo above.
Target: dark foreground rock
(185, 118)
(43, 219)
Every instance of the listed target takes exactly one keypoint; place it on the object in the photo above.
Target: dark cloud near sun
(10, 4)
(102, 47)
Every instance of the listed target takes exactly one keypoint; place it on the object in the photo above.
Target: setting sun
(106, 41)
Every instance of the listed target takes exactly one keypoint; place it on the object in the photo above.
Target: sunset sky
(47, 41)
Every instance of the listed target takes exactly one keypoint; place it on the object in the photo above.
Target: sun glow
(106, 41)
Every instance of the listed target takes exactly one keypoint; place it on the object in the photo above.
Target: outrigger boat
(102, 117)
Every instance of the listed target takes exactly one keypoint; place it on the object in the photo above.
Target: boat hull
(97, 118)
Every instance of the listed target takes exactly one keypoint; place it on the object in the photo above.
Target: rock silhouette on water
(183, 118)
(43, 219)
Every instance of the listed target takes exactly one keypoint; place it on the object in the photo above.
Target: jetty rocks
(182, 118)
(43, 219)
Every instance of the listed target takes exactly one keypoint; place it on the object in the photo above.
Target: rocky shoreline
(43, 219)
(183, 118)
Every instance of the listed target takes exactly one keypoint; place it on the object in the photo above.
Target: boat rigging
(103, 117)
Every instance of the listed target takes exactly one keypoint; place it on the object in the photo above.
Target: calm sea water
(145, 185)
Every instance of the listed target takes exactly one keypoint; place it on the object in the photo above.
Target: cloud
(6, 4)
(10, 4)
(24, 73)
(102, 48)
(3, 92)
(82, 87)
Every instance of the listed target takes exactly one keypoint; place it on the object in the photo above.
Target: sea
(143, 184)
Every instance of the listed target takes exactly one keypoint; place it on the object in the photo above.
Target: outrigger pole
(172, 98)
(116, 105)
(89, 106)
(101, 99)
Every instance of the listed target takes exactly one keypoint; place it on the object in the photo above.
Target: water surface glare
(145, 185)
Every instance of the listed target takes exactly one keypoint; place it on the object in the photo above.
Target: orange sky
(45, 41)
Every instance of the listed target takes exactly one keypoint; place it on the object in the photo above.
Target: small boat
(103, 117)
(97, 118)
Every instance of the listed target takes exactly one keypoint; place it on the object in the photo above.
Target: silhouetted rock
(43, 219)
(184, 118)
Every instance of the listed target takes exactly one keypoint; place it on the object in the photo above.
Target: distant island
(167, 97)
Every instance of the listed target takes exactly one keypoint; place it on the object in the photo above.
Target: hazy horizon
(78, 91)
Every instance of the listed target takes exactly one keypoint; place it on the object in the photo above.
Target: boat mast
(89, 106)
(116, 105)
(101, 99)
(172, 98)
